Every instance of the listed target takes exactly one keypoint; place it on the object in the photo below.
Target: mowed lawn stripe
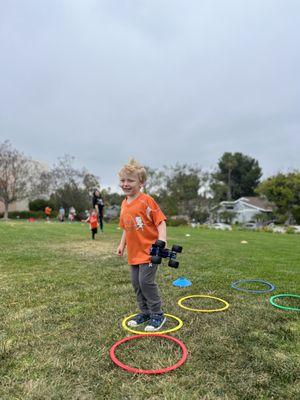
(63, 298)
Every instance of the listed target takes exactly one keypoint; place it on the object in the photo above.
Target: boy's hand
(122, 245)
(120, 250)
(164, 240)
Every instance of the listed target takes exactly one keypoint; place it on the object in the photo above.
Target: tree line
(180, 189)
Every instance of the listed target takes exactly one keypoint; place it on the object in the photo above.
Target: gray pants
(146, 290)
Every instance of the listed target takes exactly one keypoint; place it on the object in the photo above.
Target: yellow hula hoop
(176, 328)
(199, 310)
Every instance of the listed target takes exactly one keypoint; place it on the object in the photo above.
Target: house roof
(258, 202)
(254, 202)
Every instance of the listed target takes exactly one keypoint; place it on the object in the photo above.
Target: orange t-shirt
(48, 210)
(93, 220)
(140, 219)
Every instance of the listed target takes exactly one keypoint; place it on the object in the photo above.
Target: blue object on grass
(270, 287)
(182, 282)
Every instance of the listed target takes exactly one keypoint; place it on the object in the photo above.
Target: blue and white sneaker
(139, 319)
(156, 322)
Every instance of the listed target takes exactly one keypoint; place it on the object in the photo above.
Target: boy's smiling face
(130, 184)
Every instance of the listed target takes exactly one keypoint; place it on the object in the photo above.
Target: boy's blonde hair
(134, 167)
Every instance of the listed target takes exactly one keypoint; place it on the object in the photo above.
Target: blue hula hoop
(234, 285)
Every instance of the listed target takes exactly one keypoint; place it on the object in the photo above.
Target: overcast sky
(164, 81)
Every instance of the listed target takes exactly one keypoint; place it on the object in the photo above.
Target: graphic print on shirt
(139, 223)
(133, 223)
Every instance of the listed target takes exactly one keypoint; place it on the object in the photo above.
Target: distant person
(93, 221)
(48, 211)
(61, 214)
(72, 214)
(98, 204)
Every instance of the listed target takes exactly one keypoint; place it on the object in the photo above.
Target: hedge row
(38, 215)
(24, 214)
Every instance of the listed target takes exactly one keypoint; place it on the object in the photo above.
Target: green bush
(111, 220)
(200, 216)
(281, 219)
(290, 230)
(39, 205)
(176, 222)
(266, 229)
(24, 214)
(296, 214)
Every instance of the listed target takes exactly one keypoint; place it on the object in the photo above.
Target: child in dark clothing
(98, 204)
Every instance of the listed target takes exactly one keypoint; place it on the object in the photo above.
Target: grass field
(63, 298)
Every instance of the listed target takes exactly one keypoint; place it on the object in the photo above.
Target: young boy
(93, 221)
(143, 223)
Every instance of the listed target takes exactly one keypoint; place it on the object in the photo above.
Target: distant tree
(112, 198)
(39, 204)
(40, 181)
(296, 214)
(237, 175)
(90, 181)
(64, 173)
(227, 164)
(69, 186)
(218, 190)
(16, 171)
(41, 187)
(263, 218)
(284, 191)
(183, 182)
(200, 215)
(60, 174)
(167, 203)
(227, 216)
(180, 190)
(155, 181)
(70, 195)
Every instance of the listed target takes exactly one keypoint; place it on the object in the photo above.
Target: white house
(21, 205)
(244, 209)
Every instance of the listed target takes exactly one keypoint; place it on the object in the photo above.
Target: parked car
(250, 225)
(221, 226)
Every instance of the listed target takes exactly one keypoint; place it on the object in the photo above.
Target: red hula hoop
(148, 371)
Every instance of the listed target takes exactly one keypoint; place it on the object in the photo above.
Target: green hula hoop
(272, 301)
